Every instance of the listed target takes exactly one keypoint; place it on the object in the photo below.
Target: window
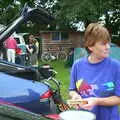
(55, 36)
(58, 36)
(18, 40)
(64, 35)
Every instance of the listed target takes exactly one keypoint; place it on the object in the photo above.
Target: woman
(32, 50)
(11, 46)
(96, 78)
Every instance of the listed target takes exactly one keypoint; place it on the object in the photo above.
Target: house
(61, 40)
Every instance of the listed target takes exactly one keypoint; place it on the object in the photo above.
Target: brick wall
(75, 39)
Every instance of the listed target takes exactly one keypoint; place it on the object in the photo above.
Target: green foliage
(10, 11)
(85, 10)
(67, 12)
(77, 11)
(63, 75)
(89, 11)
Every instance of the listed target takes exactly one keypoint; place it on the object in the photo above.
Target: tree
(67, 12)
(89, 11)
(85, 10)
(10, 10)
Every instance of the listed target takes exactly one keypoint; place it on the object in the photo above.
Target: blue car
(17, 88)
(20, 85)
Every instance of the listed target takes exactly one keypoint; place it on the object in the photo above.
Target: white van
(20, 41)
(21, 56)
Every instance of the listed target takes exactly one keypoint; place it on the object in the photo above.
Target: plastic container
(77, 115)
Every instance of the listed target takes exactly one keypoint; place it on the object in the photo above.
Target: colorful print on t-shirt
(85, 89)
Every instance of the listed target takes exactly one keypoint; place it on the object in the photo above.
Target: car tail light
(48, 94)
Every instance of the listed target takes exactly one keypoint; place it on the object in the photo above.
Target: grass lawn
(63, 75)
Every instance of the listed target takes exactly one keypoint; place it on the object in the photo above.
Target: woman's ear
(90, 49)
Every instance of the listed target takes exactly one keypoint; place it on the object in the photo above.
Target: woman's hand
(91, 103)
(74, 96)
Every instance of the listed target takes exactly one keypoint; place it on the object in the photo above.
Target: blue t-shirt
(97, 80)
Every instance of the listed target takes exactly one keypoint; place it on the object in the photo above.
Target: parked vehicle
(20, 42)
(20, 85)
(21, 52)
(31, 88)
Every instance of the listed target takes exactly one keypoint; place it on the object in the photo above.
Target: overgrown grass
(63, 75)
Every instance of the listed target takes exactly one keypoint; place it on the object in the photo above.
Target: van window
(18, 40)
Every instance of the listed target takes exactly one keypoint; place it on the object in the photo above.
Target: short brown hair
(95, 32)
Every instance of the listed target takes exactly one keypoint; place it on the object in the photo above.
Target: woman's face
(101, 49)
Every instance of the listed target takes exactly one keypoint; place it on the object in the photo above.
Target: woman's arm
(108, 101)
